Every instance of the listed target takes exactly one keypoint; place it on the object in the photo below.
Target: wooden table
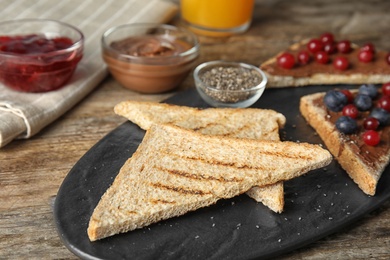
(31, 171)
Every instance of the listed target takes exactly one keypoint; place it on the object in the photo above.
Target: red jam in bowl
(35, 63)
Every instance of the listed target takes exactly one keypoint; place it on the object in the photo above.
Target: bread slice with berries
(357, 150)
(318, 62)
(250, 123)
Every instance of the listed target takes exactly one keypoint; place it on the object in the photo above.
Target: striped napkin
(24, 114)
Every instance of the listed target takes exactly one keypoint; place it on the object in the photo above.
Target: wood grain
(31, 171)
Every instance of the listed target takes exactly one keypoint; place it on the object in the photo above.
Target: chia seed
(226, 79)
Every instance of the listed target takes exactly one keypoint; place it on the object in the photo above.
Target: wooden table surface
(31, 171)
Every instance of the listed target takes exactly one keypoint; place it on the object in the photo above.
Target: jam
(35, 63)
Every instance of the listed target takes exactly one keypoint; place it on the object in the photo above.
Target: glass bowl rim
(207, 64)
(193, 50)
(76, 44)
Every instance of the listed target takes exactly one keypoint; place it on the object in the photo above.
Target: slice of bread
(175, 170)
(363, 163)
(242, 123)
(375, 72)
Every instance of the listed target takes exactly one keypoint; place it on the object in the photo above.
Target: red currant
(322, 57)
(365, 56)
(304, 57)
(348, 94)
(327, 38)
(351, 111)
(371, 137)
(368, 47)
(315, 45)
(370, 123)
(386, 89)
(341, 63)
(330, 48)
(344, 46)
(384, 102)
(388, 58)
(286, 60)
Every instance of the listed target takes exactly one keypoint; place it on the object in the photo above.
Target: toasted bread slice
(363, 163)
(243, 123)
(313, 73)
(176, 170)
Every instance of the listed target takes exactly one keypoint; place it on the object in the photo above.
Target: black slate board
(317, 204)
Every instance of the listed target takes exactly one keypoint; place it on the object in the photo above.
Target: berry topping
(335, 100)
(369, 90)
(370, 123)
(304, 57)
(322, 57)
(365, 56)
(386, 89)
(341, 63)
(388, 58)
(315, 45)
(363, 102)
(351, 111)
(346, 125)
(368, 47)
(344, 46)
(327, 38)
(286, 60)
(371, 138)
(384, 102)
(348, 94)
(330, 48)
(382, 115)
(368, 126)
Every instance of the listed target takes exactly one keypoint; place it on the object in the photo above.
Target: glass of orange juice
(217, 17)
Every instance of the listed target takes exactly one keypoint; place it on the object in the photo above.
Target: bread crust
(366, 176)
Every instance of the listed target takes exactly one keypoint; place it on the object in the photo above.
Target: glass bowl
(38, 55)
(149, 58)
(229, 84)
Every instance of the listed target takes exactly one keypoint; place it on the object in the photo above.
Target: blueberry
(335, 100)
(382, 115)
(363, 102)
(369, 90)
(346, 125)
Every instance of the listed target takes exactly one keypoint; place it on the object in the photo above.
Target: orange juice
(217, 17)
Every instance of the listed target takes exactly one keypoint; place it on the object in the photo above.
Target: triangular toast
(363, 163)
(176, 170)
(313, 73)
(250, 123)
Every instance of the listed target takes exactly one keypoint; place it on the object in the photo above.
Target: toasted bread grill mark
(180, 190)
(161, 201)
(200, 177)
(231, 132)
(235, 165)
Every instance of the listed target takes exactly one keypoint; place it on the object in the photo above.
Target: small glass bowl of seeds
(229, 84)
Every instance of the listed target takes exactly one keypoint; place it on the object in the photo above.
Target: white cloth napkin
(24, 114)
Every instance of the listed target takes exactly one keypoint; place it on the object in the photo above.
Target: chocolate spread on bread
(377, 66)
(368, 154)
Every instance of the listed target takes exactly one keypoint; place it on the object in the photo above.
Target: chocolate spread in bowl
(369, 154)
(150, 63)
(377, 66)
(149, 46)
